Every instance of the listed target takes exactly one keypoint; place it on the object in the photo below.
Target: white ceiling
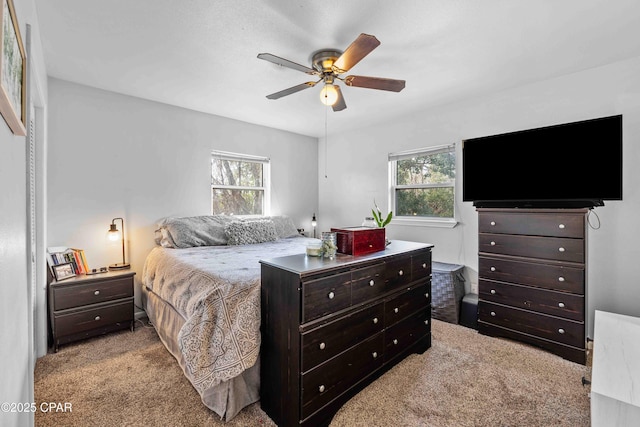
(201, 54)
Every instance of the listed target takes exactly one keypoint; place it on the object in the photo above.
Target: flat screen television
(570, 165)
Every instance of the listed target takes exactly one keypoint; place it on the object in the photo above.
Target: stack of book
(61, 255)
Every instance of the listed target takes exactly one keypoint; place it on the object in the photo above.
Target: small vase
(329, 246)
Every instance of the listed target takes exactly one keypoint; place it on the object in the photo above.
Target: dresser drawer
(325, 342)
(69, 296)
(421, 266)
(539, 325)
(326, 295)
(559, 304)
(532, 224)
(323, 384)
(549, 276)
(404, 334)
(406, 303)
(367, 283)
(75, 321)
(397, 273)
(551, 248)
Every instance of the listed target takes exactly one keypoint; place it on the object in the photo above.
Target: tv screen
(569, 165)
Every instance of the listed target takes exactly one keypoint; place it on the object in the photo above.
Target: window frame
(393, 159)
(266, 179)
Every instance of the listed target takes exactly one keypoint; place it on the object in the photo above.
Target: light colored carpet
(465, 379)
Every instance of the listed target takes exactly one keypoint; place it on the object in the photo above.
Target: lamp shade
(328, 94)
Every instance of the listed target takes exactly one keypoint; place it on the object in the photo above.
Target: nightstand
(89, 305)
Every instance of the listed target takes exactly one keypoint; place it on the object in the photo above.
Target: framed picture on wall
(12, 70)
(63, 271)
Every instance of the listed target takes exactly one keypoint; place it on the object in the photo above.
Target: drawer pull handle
(492, 269)
(493, 243)
(97, 318)
(395, 310)
(561, 226)
(493, 223)
(96, 292)
(560, 279)
(331, 295)
(322, 346)
(426, 295)
(400, 273)
(395, 342)
(561, 249)
(426, 322)
(374, 354)
(493, 313)
(371, 282)
(561, 331)
(561, 304)
(493, 291)
(321, 388)
(375, 320)
(424, 265)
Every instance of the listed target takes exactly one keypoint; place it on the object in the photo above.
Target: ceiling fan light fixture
(329, 94)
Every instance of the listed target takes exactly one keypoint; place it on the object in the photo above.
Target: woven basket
(447, 290)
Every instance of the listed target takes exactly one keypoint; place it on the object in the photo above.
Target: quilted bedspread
(217, 291)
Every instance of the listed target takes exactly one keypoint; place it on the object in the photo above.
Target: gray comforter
(217, 291)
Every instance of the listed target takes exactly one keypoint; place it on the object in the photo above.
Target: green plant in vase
(378, 217)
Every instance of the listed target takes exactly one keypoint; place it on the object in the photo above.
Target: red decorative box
(359, 240)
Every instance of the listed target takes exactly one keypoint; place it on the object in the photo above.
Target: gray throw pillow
(249, 232)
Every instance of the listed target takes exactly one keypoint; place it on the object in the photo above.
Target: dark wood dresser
(89, 305)
(532, 274)
(331, 327)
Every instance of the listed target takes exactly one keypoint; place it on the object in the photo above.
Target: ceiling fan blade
(375, 83)
(357, 50)
(286, 63)
(339, 104)
(292, 89)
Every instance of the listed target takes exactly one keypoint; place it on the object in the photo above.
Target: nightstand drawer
(76, 295)
(75, 321)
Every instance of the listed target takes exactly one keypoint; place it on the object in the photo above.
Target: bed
(201, 291)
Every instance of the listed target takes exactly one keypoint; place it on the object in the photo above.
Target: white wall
(357, 171)
(112, 155)
(17, 352)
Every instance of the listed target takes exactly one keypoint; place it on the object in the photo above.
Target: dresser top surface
(303, 264)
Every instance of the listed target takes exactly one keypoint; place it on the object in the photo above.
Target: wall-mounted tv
(570, 165)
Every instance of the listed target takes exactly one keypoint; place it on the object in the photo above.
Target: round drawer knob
(493, 243)
(395, 310)
(561, 304)
(561, 226)
(493, 291)
(97, 318)
(426, 295)
(395, 342)
(375, 320)
(493, 313)
(492, 269)
(426, 322)
(371, 282)
(374, 354)
(560, 279)
(96, 292)
(321, 389)
(424, 265)
(561, 249)
(322, 346)
(561, 331)
(400, 273)
(331, 295)
(493, 223)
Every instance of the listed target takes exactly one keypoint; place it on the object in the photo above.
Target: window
(422, 184)
(239, 184)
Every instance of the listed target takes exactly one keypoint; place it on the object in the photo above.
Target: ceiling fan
(328, 64)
